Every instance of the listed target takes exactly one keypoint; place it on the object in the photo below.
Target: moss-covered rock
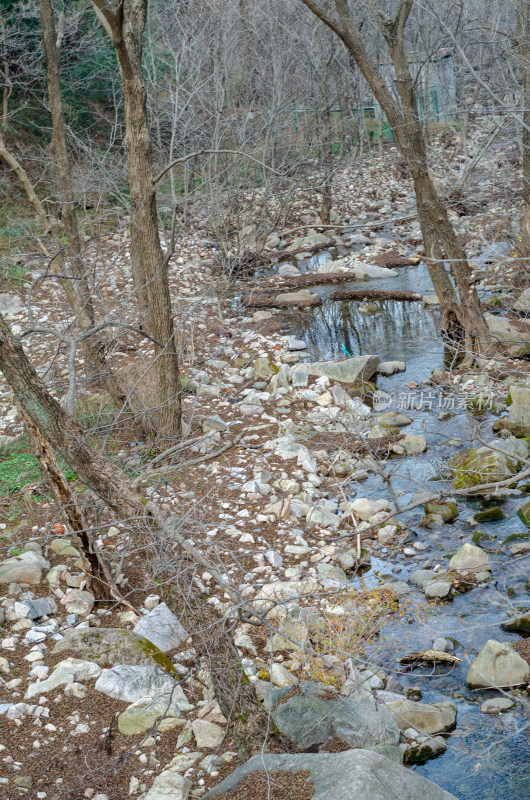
(519, 624)
(524, 513)
(483, 465)
(490, 515)
(114, 646)
(447, 511)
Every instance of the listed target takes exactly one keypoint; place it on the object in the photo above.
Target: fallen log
(307, 279)
(374, 294)
(269, 301)
(429, 657)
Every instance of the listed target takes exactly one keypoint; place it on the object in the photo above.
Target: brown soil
(295, 691)
(278, 785)
(523, 648)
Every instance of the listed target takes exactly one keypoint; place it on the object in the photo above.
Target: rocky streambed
(456, 611)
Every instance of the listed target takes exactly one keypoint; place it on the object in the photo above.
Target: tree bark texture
(126, 29)
(523, 245)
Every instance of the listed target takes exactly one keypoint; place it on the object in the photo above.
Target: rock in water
(496, 705)
(391, 367)
(497, 665)
(162, 628)
(410, 444)
(519, 624)
(483, 465)
(447, 511)
(303, 297)
(341, 776)
(427, 718)
(350, 370)
(470, 557)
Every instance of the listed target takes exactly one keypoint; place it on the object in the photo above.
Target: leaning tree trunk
(126, 28)
(432, 213)
(462, 310)
(62, 431)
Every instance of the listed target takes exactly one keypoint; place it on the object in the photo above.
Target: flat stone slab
(350, 775)
(496, 705)
(349, 370)
(133, 683)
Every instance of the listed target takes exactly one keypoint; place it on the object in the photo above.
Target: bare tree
(125, 27)
(459, 312)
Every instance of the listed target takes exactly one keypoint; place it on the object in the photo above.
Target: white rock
(162, 628)
(68, 671)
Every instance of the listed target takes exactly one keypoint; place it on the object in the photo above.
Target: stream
(487, 756)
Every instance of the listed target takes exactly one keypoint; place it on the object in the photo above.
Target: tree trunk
(523, 245)
(51, 427)
(62, 431)
(70, 263)
(149, 267)
(5, 71)
(462, 311)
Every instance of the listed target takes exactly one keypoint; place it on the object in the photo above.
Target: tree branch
(182, 159)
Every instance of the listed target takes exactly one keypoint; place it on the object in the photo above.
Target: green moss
(17, 468)
(473, 467)
(517, 537)
(524, 514)
(490, 515)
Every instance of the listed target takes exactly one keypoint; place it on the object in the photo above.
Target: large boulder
(318, 715)
(427, 718)
(482, 465)
(24, 568)
(349, 370)
(342, 776)
(109, 647)
(133, 683)
(470, 557)
(496, 666)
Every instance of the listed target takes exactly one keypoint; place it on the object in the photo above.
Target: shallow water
(487, 756)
